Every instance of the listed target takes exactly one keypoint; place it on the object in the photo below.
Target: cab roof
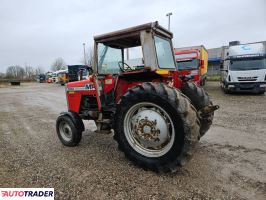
(130, 37)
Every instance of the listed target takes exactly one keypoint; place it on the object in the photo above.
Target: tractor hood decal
(86, 87)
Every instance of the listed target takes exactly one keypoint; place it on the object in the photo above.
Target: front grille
(89, 102)
(245, 86)
(247, 78)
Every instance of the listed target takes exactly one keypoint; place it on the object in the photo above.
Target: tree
(2, 75)
(38, 70)
(58, 64)
(16, 72)
(29, 73)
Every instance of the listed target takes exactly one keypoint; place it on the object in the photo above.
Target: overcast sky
(36, 32)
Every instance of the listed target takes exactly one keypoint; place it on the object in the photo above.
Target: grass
(214, 78)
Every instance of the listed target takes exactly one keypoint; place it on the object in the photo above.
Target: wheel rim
(65, 131)
(149, 129)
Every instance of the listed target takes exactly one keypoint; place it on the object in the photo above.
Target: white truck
(244, 68)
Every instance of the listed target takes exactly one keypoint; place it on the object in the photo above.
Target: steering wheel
(122, 64)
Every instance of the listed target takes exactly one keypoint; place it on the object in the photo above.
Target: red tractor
(157, 115)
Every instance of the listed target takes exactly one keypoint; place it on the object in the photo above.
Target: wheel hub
(146, 129)
(150, 129)
(65, 131)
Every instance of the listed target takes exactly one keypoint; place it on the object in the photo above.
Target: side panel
(148, 48)
(204, 57)
(74, 92)
(123, 86)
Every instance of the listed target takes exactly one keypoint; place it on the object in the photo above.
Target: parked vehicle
(49, 78)
(73, 72)
(63, 77)
(157, 116)
(41, 78)
(244, 68)
(193, 61)
(83, 74)
(54, 77)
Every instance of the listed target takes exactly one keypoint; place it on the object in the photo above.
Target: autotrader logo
(27, 193)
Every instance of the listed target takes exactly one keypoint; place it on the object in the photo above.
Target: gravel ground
(230, 161)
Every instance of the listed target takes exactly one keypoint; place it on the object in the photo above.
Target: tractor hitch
(207, 110)
(186, 78)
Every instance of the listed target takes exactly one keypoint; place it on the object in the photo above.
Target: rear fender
(75, 118)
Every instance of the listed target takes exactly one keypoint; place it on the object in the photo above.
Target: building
(215, 60)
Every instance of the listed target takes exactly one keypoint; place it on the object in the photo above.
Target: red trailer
(193, 61)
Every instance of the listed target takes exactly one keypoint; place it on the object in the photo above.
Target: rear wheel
(156, 126)
(199, 99)
(68, 132)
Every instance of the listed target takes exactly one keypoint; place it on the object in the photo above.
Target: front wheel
(67, 131)
(156, 127)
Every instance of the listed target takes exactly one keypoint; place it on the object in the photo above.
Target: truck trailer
(74, 71)
(244, 68)
(193, 61)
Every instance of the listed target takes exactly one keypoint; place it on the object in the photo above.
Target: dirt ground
(230, 161)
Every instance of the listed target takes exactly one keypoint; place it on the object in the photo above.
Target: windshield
(254, 64)
(187, 64)
(108, 59)
(164, 53)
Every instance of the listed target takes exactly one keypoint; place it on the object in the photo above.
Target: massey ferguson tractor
(157, 114)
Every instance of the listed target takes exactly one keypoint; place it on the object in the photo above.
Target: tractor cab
(115, 72)
(154, 41)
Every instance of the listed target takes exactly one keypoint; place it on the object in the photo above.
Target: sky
(36, 32)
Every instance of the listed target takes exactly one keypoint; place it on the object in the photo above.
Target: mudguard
(75, 118)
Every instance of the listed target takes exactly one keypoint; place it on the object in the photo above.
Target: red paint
(75, 90)
(74, 96)
(123, 86)
(109, 83)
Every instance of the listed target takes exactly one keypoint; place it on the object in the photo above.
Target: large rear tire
(199, 99)
(156, 127)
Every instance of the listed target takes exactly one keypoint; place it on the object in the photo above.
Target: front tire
(68, 132)
(156, 127)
